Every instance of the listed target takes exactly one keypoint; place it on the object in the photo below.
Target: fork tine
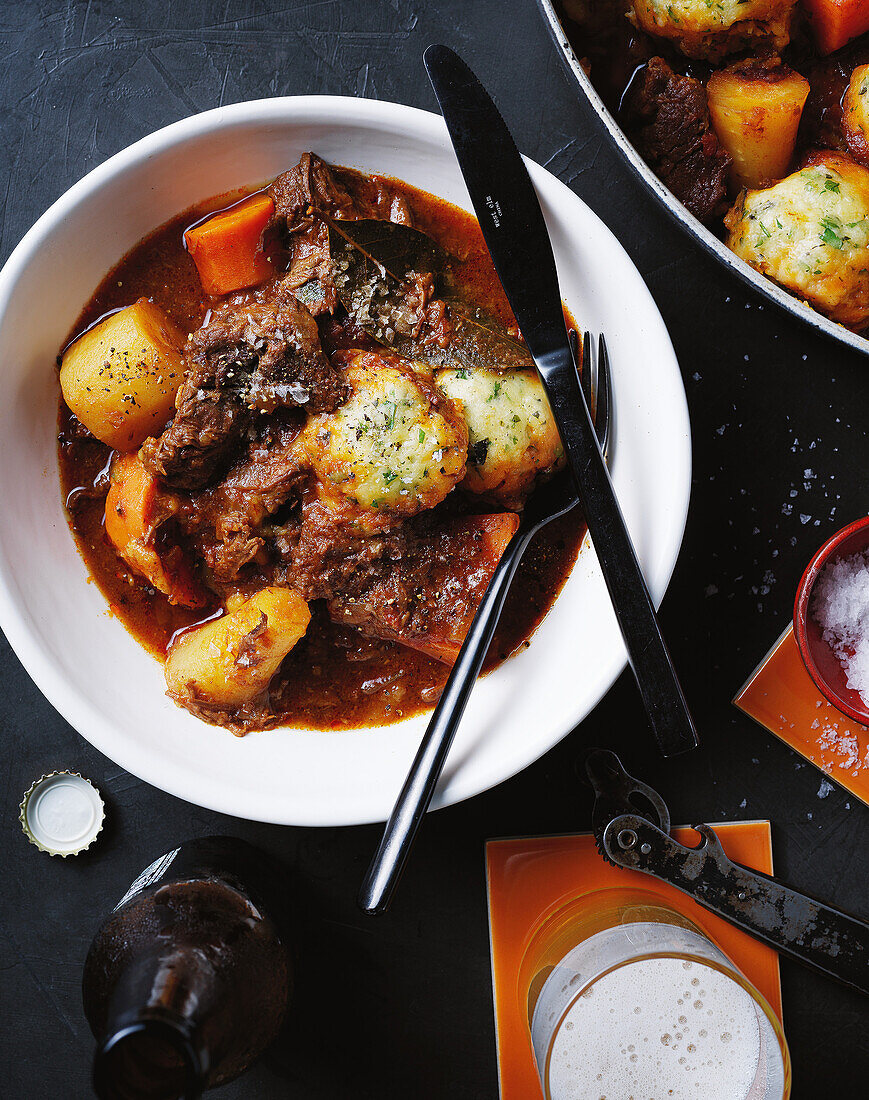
(573, 340)
(595, 381)
(604, 396)
(587, 372)
(583, 370)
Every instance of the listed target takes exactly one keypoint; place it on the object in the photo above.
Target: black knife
(511, 220)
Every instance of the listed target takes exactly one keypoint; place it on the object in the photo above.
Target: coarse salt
(840, 605)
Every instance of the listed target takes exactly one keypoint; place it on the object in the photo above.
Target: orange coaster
(532, 875)
(782, 697)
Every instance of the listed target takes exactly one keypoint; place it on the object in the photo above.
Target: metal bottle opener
(631, 825)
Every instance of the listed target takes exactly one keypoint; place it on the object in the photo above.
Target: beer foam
(658, 1029)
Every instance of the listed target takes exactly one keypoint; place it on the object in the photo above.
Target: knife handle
(825, 939)
(649, 657)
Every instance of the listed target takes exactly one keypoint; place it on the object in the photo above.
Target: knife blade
(514, 229)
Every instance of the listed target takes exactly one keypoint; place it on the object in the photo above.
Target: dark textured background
(402, 1005)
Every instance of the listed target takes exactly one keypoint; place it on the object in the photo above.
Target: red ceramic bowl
(821, 662)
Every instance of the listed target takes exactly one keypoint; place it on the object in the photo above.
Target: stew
(755, 113)
(297, 429)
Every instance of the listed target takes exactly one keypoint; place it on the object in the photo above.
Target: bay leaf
(374, 266)
(477, 340)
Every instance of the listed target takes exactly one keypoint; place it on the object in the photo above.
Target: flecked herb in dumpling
(810, 232)
(512, 437)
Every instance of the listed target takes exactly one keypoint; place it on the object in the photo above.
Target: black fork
(547, 503)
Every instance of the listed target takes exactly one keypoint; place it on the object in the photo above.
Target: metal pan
(677, 211)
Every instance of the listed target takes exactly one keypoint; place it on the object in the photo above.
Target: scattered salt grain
(825, 788)
(844, 745)
(840, 605)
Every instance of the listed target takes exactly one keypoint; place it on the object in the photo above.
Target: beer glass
(626, 997)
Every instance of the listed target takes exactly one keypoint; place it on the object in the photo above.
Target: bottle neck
(197, 953)
(153, 1047)
(150, 1058)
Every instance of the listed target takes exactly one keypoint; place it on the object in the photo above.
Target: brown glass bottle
(187, 981)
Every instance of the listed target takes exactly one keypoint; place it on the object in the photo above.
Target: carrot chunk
(131, 522)
(835, 22)
(227, 247)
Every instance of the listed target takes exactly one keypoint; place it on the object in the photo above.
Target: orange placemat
(529, 876)
(782, 697)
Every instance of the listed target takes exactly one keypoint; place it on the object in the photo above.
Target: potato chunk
(395, 448)
(810, 233)
(710, 31)
(231, 660)
(512, 437)
(756, 108)
(120, 377)
(855, 114)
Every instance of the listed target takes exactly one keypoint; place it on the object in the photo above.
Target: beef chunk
(828, 77)
(257, 353)
(226, 558)
(312, 192)
(228, 523)
(331, 555)
(309, 191)
(207, 424)
(419, 584)
(427, 597)
(266, 347)
(668, 120)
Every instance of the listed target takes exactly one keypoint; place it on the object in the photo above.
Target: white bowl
(83, 659)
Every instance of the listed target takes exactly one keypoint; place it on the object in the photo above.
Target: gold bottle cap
(62, 814)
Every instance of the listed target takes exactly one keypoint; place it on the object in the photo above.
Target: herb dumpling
(810, 233)
(512, 437)
(711, 30)
(396, 447)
